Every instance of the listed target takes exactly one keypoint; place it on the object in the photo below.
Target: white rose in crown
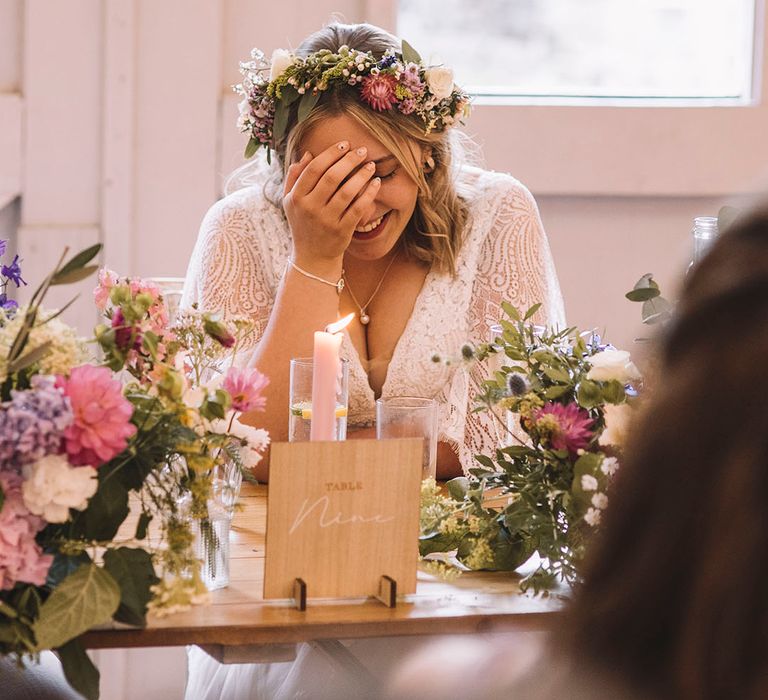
(612, 364)
(617, 419)
(439, 81)
(52, 486)
(281, 59)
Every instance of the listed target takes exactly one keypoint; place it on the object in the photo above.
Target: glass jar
(704, 234)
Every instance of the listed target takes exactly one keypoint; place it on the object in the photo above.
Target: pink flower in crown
(21, 558)
(102, 415)
(140, 286)
(379, 91)
(410, 79)
(245, 386)
(407, 106)
(107, 280)
(564, 427)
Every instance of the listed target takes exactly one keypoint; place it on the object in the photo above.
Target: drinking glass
(410, 416)
(300, 400)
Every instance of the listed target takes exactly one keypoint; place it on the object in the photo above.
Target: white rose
(439, 81)
(52, 486)
(612, 364)
(281, 59)
(617, 419)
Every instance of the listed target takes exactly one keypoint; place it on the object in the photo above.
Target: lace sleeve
(515, 264)
(231, 271)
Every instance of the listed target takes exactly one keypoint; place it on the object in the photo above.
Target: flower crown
(393, 82)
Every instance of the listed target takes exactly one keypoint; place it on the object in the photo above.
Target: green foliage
(85, 598)
(134, 573)
(78, 669)
(528, 496)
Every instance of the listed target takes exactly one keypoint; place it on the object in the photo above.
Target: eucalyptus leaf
(289, 95)
(307, 104)
(531, 311)
(643, 294)
(588, 394)
(555, 392)
(79, 670)
(410, 55)
(485, 461)
(458, 487)
(556, 375)
(281, 121)
(510, 310)
(85, 598)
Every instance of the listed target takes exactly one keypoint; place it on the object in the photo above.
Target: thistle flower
(517, 384)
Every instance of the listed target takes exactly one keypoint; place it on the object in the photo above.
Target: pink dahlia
(568, 427)
(245, 386)
(379, 91)
(102, 415)
(21, 558)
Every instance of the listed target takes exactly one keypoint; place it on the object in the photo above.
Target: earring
(429, 164)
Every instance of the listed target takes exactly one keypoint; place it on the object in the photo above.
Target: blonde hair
(434, 233)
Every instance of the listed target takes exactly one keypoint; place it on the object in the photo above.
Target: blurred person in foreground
(673, 602)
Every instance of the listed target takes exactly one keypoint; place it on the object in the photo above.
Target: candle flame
(340, 325)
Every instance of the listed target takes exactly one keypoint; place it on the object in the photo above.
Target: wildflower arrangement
(563, 402)
(396, 81)
(84, 442)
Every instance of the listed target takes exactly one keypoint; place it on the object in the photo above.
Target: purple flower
(32, 423)
(387, 61)
(13, 272)
(6, 303)
(3, 246)
(564, 427)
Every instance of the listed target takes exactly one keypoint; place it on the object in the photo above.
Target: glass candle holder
(300, 400)
(410, 416)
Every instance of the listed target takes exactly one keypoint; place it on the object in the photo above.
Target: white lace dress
(241, 256)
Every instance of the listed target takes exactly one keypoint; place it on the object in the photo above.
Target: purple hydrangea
(32, 423)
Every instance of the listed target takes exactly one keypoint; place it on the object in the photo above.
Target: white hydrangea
(609, 466)
(600, 501)
(588, 482)
(257, 439)
(52, 486)
(593, 517)
(66, 349)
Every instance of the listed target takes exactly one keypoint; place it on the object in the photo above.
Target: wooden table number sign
(343, 519)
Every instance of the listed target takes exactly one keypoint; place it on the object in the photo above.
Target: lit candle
(326, 368)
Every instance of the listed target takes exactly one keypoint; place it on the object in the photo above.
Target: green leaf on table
(75, 275)
(77, 262)
(410, 55)
(85, 598)
(645, 288)
(78, 669)
(134, 573)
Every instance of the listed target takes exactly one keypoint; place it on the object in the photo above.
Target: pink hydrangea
(379, 91)
(21, 558)
(107, 280)
(567, 427)
(101, 425)
(245, 386)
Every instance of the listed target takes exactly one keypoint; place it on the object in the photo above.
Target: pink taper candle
(325, 373)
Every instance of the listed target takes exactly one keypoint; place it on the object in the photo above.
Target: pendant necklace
(365, 319)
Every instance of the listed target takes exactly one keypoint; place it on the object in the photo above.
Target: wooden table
(240, 626)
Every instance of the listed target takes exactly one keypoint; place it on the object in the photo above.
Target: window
(665, 49)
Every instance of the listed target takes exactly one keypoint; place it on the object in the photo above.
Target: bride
(367, 206)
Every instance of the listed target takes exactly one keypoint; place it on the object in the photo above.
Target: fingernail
(370, 165)
(376, 181)
(361, 151)
(307, 156)
(343, 146)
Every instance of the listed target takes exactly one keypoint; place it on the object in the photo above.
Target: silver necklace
(365, 319)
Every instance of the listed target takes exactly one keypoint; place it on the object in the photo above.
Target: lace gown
(242, 252)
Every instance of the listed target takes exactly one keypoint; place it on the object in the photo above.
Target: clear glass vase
(212, 533)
